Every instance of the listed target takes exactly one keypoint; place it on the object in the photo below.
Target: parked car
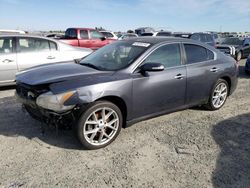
(11, 31)
(109, 35)
(55, 35)
(127, 35)
(85, 37)
(126, 82)
(204, 37)
(19, 52)
(158, 33)
(247, 66)
(141, 30)
(236, 47)
(181, 34)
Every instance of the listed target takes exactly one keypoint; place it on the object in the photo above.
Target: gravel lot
(191, 148)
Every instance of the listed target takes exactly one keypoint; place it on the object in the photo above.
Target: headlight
(55, 102)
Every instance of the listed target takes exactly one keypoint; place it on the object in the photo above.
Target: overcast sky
(121, 15)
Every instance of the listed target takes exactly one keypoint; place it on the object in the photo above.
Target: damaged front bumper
(51, 118)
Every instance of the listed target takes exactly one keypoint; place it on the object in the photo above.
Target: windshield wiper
(90, 65)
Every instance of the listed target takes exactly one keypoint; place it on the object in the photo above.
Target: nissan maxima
(126, 82)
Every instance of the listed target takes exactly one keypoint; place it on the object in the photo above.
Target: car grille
(29, 92)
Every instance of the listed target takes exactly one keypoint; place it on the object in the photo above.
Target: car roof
(25, 35)
(156, 40)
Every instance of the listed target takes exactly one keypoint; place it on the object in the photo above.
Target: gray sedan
(126, 82)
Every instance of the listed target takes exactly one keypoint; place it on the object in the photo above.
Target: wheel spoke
(103, 114)
(95, 117)
(91, 131)
(92, 137)
(91, 122)
(112, 122)
(101, 136)
(106, 135)
(111, 127)
(108, 115)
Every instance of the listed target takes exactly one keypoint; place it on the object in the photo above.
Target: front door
(160, 91)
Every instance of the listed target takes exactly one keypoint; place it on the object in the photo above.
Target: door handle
(179, 76)
(214, 69)
(7, 61)
(50, 57)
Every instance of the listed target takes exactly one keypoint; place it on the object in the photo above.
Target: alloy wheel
(101, 126)
(219, 95)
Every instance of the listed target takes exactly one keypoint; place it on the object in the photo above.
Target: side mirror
(152, 67)
(103, 38)
(246, 45)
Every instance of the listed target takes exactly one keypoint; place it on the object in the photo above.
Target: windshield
(233, 41)
(115, 56)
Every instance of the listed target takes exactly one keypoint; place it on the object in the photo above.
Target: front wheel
(99, 125)
(218, 95)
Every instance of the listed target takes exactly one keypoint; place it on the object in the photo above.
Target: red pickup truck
(85, 37)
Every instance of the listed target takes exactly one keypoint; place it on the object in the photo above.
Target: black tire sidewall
(85, 115)
(210, 104)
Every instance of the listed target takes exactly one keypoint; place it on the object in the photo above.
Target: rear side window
(6, 46)
(52, 45)
(196, 53)
(84, 34)
(209, 38)
(168, 55)
(195, 37)
(33, 44)
(203, 38)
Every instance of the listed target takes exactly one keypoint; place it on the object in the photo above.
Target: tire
(218, 95)
(93, 130)
(238, 56)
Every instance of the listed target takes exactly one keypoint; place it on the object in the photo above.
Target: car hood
(58, 72)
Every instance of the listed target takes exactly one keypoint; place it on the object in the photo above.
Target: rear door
(8, 62)
(84, 40)
(164, 90)
(33, 51)
(202, 72)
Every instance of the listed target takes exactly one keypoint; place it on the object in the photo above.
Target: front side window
(168, 55)
(95, 35)
(115, 56)
(6, 45)
(196, 53)
(33, 44)
(195, 37)
(107, 34)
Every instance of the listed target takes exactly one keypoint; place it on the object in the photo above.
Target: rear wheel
(218, 95)
(99, 125)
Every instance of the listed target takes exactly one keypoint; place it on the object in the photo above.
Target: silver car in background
(19, 52)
